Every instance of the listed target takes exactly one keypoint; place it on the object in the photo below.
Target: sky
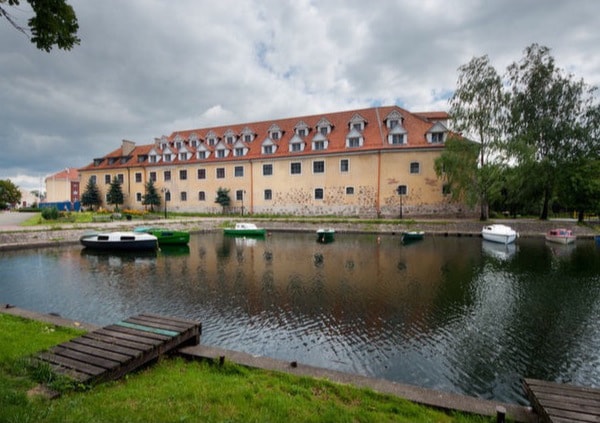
(147, 68)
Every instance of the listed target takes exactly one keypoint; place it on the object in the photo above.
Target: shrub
(50, 213)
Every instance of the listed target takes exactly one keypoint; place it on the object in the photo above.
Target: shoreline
(428, 397)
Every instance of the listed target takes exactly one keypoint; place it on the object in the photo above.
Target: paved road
(9, 219)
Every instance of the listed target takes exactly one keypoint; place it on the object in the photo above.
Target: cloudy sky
(146, 68)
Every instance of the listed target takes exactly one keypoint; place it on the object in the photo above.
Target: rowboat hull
(560, 236)
(501, 234)
(166, 236)
(123, 241)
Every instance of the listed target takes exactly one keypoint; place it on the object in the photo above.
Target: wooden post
(500, 414)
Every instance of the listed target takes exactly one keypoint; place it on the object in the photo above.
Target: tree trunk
(580, 215)
(544, 215)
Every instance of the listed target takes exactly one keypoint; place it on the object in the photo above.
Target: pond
(449, 313)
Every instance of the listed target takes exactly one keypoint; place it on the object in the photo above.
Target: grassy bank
(176, 390)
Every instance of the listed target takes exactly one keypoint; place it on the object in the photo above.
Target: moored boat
(561, 236)
(499, 233)
(245, 229)
(126, 241)
(410, 236)
(325, 235)
(165, 236)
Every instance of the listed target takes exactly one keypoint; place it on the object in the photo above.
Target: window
(397, 138)
(201, 196)
(401, 190)
(221, 153)
(138, 177)
(238, 171)
(138, 197)
(239, 195)
(168, 196)
(268, 194)
(183, 196)
(167, 158)
(349, 190)
(183, 175)
(344, 165)
(182, 156)
(392, 123)
(201, 173)
(437, 137)
(296, 168)
(302, 132)
(153, 176)
(167, 175)
(414, 167)
(93, 179)
(239, 152)
(229, 139)
(319, 167)
(247, 138)
(319, 145)
(353, 142)
(268, 149)
(318, 193)
(107, 179)
(120, 178)
(275, 136)
(202, 155)
(296, 147)
(220, 172)
(324, 130)
(267, 169)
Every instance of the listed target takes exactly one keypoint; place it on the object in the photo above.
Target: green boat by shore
(411, 236)
(166, 236)
(325, 235)
(245, 229)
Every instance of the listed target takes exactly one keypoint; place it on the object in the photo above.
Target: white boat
(560, 236)
(128, 241)
(245, 229)
(499, 233)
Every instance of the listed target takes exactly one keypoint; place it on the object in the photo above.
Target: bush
(50, 213)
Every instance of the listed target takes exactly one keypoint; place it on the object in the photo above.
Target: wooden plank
(72, 364)
(84, 358)
(152, 329)
(556, 402)
(159, 322)
(137, 333)
(106, 346)
(93, 351)
(109, 339)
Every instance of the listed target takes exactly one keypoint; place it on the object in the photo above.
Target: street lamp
(243, 194)
(401, 190)
(166, 193)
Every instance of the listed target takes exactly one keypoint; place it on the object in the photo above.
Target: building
(375, 162)
(63, 187)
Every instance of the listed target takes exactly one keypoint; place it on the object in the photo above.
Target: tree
(115, 194)
(223, 198)
(477, 112)
(151, 197)
(458, 166)
(53, 23)
(91, 196)
(553, 118)
(9, 193)
(579, 187)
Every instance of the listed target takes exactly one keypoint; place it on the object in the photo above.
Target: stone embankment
(14, 237)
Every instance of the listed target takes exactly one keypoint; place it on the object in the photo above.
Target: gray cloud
(147, 68)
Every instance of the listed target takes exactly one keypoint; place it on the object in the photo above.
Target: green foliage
(115, 194)
(53, 23)
(9, 193)
(223, 198)
(151, 197)
(50, 213)
(91, 195)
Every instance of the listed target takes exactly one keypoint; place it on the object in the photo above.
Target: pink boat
(561, 236)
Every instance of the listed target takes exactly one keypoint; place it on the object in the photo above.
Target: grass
(174, 390)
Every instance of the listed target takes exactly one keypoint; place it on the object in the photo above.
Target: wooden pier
(561, 403)
(112, 351)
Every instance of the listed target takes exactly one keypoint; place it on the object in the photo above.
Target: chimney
(127, 147)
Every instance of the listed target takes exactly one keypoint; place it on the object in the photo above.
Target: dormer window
(247, 135)
(437, 134)
(301, 129)
(268, 146)
(221, 153)
(393, 119)
(267, 149)
(153, 158)
(212, 139)
(275, 132)
(98, 162)
(296, 144)
(354, 139)
(239, 149)
(397, 135)
(324, 127)
(178, 144)
(167, 157)
(203, 152)
(194, 140)
(320, 142)
(221, 150)
(230, 137)
(357, 123)
(182, 156)
(201, 155)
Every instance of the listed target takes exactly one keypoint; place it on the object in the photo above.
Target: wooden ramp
(560, 403)
(115, 350)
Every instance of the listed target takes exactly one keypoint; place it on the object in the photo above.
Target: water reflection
(445, 313)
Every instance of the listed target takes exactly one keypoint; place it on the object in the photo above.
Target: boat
(124, 241)
(410, 236)
(499, 233)
(561, 236)
(245, 229)
(325, 235)
(166, 236)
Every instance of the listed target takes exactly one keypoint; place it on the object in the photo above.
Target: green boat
(411, 236)
(325, 235)
(166, 236)
(245, 229)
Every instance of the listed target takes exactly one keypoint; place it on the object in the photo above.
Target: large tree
(477, 113)
(53, 23)
(553, 117)
(10, 194)
(91, 195)
(115, 194)
(223, 198)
